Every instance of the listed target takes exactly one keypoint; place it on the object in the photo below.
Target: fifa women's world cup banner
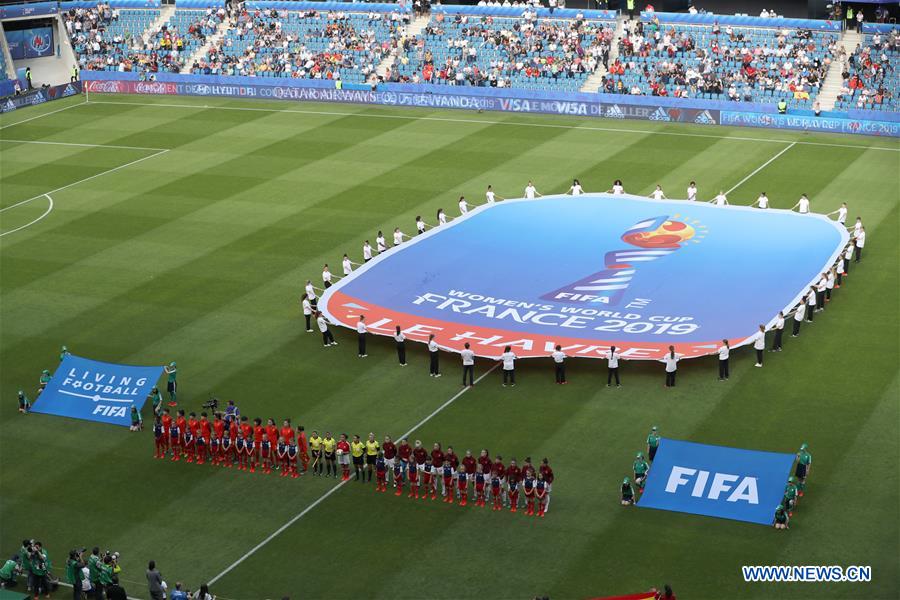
(589, 272)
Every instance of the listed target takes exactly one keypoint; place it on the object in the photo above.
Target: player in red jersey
(390, 452)
(437, 455)
(206, 436)
(547, 474)
(528, 488)
(303, 446)
(287, 432)
(469, 463)
(447, 482)
(414, 483)
(452, 457)
(498, 470)
(343, 447)
(259, 432)
(159, 438)
(404, 453)
(462, 485)
(181, 423)
(513, 475)
(175, 440)
(193, 426)
(218, 425)
(281, 456)
(233, 430)
(484, 459)
(479, 486)
(167, 426)
(381, 473)
(428, 480)
(540, 495)
(246, 428)
(527, 467)
(398, 478)
(495, 492)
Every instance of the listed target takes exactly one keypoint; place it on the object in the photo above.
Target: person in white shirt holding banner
(724, 352)
(509, 366)
(311, 293)
(307, 312)
(326, 277)
(692, 192)
(463, 205)
(841, 214)
(401, 345)
(658, 193)
(367, 251)
(347, 265)
(441, 217)
(327, 338)
(811, 304)
(361, 331)
(860, 243)
(420, 226)
(617, 189)
(612, 366)
(799, 315)
(848, 256)
(671, 361)
(802, 205)
(380, 245)
(398, 236)
(433, 357)
(468, 361)
(559, 364)
(779, 332)
(576, 189)
(829, 284)
(490, 196)
(531, 192)
(762, 201)
(759, 344)
(720, 200)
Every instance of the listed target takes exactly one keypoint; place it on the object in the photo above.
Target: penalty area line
(42, 115)
(761, 167)
(46, 212)
(340, 484)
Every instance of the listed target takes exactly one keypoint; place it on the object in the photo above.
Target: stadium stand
(305, 44)
(525, 53)
(184, 33)
(4, 75)
(870, 77)
(110, 40)
(747, 64)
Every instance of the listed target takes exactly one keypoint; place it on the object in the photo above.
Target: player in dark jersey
(293, 453)
(527, 467)
(547, 473)
(479, 486)
(437, 457)
(495, 492)
(381, 473)
(215, 456)
(265, 454)
(447, 479)
(498, 469)
(528, 489)
(159, 439)
(175, 441)
(414, 483)
(462, 485)
(540, 495)
(484, 459)
(513, 476)
(404, 453)
(398, 478)
(239, 452)
(281, 456)
(250, 451)
(428, 480)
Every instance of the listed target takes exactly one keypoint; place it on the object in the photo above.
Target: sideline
(340, 484)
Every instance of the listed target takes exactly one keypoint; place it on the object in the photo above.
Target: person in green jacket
(627, 493)
(781, 518)
(782, 107)
(24, 403)
(106, 571)
(9, 572)
(94, 561)
(40, 569)
(804, 462)
(63, 353)
(43, 381)
(156, 399)
(790, 495)
(652, 443)
(73, 571)
(640, 469)
(850, 17)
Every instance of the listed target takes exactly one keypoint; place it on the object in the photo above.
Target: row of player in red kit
(227, 443)
(491, 481)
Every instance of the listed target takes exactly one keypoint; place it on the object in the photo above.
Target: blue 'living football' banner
(592, 271)
(717, 481)
(96, 391)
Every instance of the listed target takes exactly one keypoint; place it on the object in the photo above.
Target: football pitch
(141, 230)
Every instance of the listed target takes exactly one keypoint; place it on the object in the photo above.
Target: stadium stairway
(165, 13)
(416, 27)
(211, 41)
(593, 83)
(831, 87)
(10, 69)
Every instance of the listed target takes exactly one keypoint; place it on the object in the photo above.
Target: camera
(212, 403)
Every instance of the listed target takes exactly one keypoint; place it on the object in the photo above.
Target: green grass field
(197, 254)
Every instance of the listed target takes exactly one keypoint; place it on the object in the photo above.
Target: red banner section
(345, 310)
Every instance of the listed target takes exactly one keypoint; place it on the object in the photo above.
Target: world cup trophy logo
(652, 238)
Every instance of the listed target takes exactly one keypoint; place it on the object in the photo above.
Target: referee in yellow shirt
(315, 450)
(357, 449)
(372, 448)
(329, 444)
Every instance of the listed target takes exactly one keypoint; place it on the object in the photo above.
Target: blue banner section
(10, 103)
(811, 123)
(717, 481)
(379, 7)
(30, 43)
(64, 6)
(879, 27)
(741, 20)
(516, 11)
(96, 391)
(35, 9)
(16, 41)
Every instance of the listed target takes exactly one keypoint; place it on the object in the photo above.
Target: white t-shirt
(658, 195)
(379, 243)
(800, 312)
(763, 201)
(613, 360)
(442, 219)
(861, 239)
(671, 363)
(509, 360)
(432, 346)
(420, 226)
(490, 196)
(361, 327)
(759, 341)
(723, 352)
(530, 191)
(367, 251)
(779, 323)
(848, 253)
(721, 200)
(857, 227)
(398, 238)
(811, 301)
(348, 268)
(692, 193)
(307, 307)
(842, 215)
(310, 291)
(558, 356)
(399, 337)
(322, 323)
(803, 205)
(468, 357)
(618, 189)
(463, 207)
(829, 282)
(326, 276)
(576, 189)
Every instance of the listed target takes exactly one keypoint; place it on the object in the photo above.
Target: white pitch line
(488, 122)
(42, 115)
(761, 167)
(47, 212)
(49, 143)
(340, 484)
(59, 189)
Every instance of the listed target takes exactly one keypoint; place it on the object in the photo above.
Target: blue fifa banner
(96, 391)
(717, 481)
(38, 42)
(810, 123)
(16, 42)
